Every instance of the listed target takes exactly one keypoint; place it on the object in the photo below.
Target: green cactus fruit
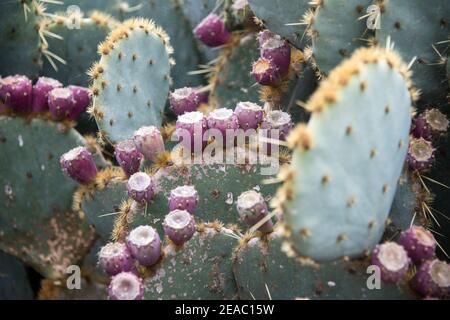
(77, 46)
(426, 26)
(20, 41)
(288, 18)
(14, 284)
(336, 31)
(200, 270)
(131, 80)
(36, 222)
(348, 158)
(263, 271)
(231, 80)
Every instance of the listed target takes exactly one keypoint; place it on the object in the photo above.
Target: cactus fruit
(41, 91)
(249, 115)
(278, 120)
(190, 129)
(421, 154)
(16, 93)
(60, 103)
(212, 31)
(393, 261)
(252, 208)
(79, 164)
(115, 258)
(430, 123)
(145, 245)
(149, 142)
(266, 72)
(134, 71)
(141, 187)
(184, 100)
(275, 49)
(184, 198)
(349, 223)
(81, 98)
(179, 226)
(224, 121)
(432, 279)
(128, 156)
(419, 243)
(126, 286)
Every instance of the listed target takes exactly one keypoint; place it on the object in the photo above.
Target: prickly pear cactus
(20, 40)
(264, 272)
(36, 221)
(204, 265)
(345, 163)
(131, 80)
(14, 284)
(76, 43)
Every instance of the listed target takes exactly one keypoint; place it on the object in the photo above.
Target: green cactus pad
(36, 222)
(77, 46)
(278, 14)
(232, 81)
(349, 157)
(200, 270)
(416, 29)
(336, 31)
(263, 271)
(14, 284)
(20, 43)
(131, 81)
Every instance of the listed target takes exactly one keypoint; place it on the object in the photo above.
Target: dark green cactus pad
(200, 270)
(263, 271)
(36, 222)
(131, 89)
(14, 284)
(277, 14)
(232, 80)
(336, 31)
(20, 43)
(416, 28)
(77, 47)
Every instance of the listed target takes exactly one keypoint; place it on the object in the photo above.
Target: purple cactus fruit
(275, 49)
(190, 129)
(278, 120)
(212, 31)
(420, 154)
(16, 93)
(149, 141)
(81, 99)
(226, 122)
(40, 93)
(128, 156)
(184, 100)
(183, 198)
(179, 226)
(114, 258)
(432, 279)
(430, 123)
(141, 187)
(252, 208)
(60, 103)
(249, 115)
(203, 95)
(266, 72)
(393, 261)
(126, 286)
(419, 243)
(145, 245)
(79, 164)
